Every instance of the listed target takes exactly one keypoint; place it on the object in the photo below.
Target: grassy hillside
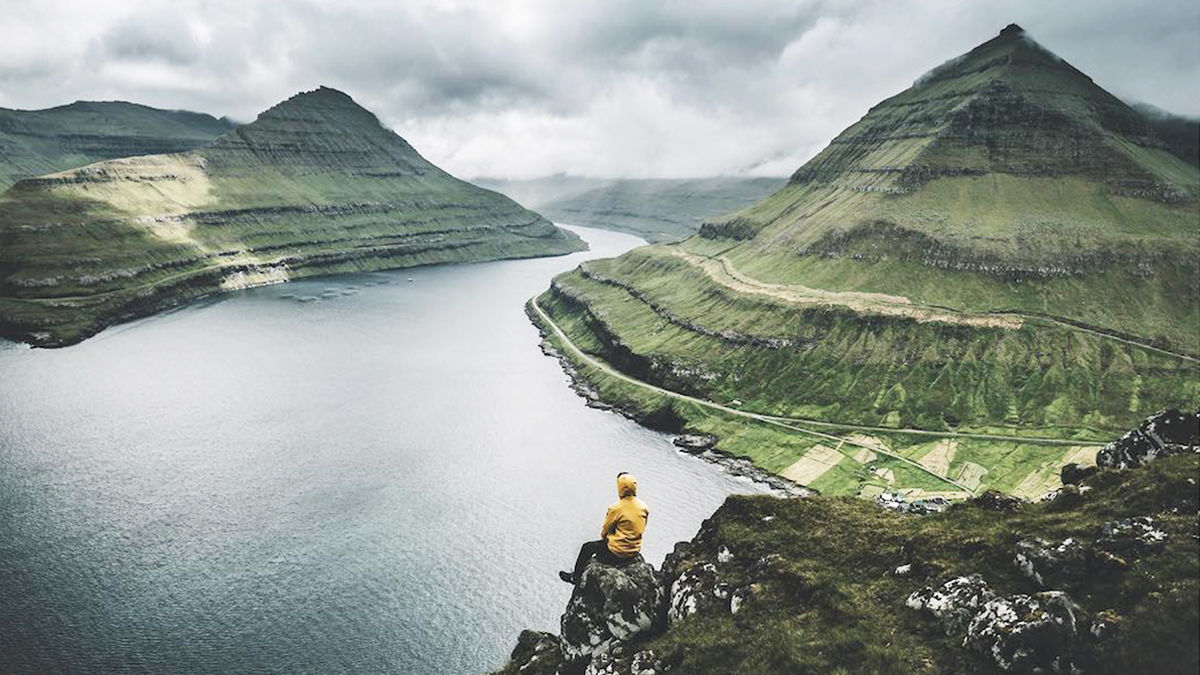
(830, 599)
(1003, 249)
(314, 186)
(654, 209)
(1101, 577)
(36, 142)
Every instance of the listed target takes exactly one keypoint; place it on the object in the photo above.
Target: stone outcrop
(993, 500)
(697, 589)
(1040, 632)
(1028, 633)
(1167, 432)
(1131, 536)
(536, 653)
(1061, 565)
(1089, 584)
(611, 607)
(955, 603)
(1073, 474)
(1020, 633)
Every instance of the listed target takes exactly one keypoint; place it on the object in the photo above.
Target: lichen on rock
(610, 607)
(1167, 432)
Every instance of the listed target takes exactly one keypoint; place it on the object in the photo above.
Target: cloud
(143, 38)
(520, 88)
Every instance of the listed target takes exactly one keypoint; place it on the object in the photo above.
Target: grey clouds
(600, 88)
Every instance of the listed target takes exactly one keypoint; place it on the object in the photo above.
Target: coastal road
(782, 422)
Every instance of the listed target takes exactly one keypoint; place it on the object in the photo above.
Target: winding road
(791, 424)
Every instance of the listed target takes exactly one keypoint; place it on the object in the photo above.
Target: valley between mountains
(955, 355)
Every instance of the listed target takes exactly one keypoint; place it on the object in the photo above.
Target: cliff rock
(1165, 433)
(1019, 633)
(610, 607)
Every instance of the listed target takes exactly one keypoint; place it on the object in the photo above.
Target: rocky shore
(702, 447)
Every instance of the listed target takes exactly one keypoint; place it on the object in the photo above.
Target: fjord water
(383, 478)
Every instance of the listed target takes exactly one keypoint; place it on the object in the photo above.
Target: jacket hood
(626, 485)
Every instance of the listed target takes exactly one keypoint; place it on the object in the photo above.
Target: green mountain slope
(655, 209)
(36, 142)
(1002, 249)
(314, 186)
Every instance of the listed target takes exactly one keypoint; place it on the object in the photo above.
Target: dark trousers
(594, 549)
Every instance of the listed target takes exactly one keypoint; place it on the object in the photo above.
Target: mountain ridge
(37, 142)
(315, 185)
(655, 209)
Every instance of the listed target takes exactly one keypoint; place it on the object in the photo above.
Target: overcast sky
(600, 88)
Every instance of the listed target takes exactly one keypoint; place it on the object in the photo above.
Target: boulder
(697, 589)
(611, 606)
(993, 500)
(1131, 536)
(695, 443)
(1073, 474)
(1050, 565)
(1167, 432)
(639, 663)
(1036, 633)
(1028, 633)
(955, 603)
(536, 653)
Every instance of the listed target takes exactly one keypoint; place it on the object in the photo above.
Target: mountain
(965, 290)
(654, 209)
(36, 142)
(315, 185)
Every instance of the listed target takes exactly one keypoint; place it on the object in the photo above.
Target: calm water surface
(385, 478)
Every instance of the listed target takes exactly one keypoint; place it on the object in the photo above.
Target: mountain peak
(322, 128)
(322, 94)
(1012, 30)
(321, 98)
(1008, 106)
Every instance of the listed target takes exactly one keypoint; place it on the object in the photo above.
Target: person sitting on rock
(621, 536)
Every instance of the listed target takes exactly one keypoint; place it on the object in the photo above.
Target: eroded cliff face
(314, 186)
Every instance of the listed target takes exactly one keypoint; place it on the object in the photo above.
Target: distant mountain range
(1003, 249)
(315, 185)
(36, 142)
(664, 209)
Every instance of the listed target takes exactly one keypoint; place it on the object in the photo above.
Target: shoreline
(702, 448)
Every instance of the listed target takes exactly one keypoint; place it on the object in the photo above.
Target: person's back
(621, 535)
(626, 519)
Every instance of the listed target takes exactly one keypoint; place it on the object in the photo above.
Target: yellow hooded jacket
(626, 519)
